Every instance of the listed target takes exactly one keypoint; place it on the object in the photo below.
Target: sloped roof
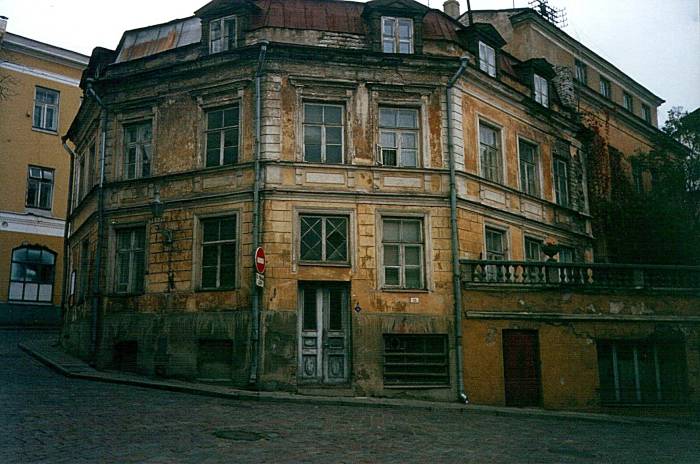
(147, 41)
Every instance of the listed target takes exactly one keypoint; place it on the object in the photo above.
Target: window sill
(30, 303)
(206, 290)
(44, 131)
(323, 263)
(404, 290)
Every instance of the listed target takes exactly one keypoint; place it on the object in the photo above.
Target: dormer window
(223, 34)
(397, 35)
(541, 90)
(487, 59)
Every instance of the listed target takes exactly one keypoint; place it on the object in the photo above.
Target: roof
(44, 50)
(321, 15)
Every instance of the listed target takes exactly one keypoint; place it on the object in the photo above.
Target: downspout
(66, 278)
(96, 289)
(255, 292)
(456, 275)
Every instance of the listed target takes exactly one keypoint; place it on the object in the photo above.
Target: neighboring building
(325, 132)
(40, 98)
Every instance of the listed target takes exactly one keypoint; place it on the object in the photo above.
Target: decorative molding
(60, 78)
(31, 224)
(578, 317)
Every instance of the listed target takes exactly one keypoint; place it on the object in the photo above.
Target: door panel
(521, 370)
(323, 338)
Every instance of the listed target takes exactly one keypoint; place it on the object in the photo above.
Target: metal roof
(150, 40)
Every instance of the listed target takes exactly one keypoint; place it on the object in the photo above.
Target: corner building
(324, 132)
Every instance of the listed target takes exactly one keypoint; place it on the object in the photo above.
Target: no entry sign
(260, 260)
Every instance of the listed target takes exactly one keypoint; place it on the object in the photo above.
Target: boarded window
(415, 360)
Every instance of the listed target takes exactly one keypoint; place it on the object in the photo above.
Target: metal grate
(415, 360)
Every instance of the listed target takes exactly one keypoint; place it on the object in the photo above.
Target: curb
(275, 397)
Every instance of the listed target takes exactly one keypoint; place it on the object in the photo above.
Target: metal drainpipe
(96, 292)
(66, 228)
(456, 275)
(255, 323)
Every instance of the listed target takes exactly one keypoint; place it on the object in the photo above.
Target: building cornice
(17, 43)
(29, 223)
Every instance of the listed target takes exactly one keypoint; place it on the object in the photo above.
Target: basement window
(415, 361)
(223, 34)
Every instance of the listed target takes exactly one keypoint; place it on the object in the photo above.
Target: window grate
(415, 360)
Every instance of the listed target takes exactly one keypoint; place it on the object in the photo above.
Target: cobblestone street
(49, 418)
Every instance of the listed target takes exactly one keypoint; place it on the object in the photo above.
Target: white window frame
(422, 244)
(141, 151)
(42, 182)
(605, 87)
(394, 39)
(323, 125)
(504, 241)
(536, 174)
(541, 90)
(224, 42)
(222, 132)
(24, 284)
(42, 108)
(487, 59)
(499, 148)
(398, 131)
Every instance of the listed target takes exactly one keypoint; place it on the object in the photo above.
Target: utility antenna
(556, 16)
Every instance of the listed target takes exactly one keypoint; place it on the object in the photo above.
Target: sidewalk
(47, 352)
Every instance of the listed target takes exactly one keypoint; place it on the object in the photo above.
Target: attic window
(541, 90)
(397, 35)
(487, 59)
(223, 33)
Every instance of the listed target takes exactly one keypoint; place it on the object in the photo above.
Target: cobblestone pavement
(47, 418)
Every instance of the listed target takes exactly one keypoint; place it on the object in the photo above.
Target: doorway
(323, 333)
(521, 367)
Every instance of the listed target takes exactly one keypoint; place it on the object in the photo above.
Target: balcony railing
(586, 275)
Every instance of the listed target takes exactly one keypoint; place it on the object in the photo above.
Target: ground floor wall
(570, 357)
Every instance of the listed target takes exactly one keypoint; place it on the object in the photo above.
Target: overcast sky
(656, 42)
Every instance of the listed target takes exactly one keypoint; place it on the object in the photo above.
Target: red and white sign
(260, 260)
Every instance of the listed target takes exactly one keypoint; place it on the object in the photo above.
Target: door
(323, 350)
(521, 369)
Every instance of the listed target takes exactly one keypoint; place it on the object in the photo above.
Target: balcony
(580, 275)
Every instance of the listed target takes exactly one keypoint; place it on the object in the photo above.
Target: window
(495, 244)
(637, 176)
(416, 360)
(397, 35)
(324, 239)
(218, 252)
(541, 90)
(222, 136)
(487, 59)
(137, 150)
(605, 87)
(581, 72)
(130, 259)
(491, 157)
(566, 254)
(561, 181)
(529, 171)
(533, 249)
(84, 276)
(398, 136)
(642, 371)
(223, 34)
(39, 187)
(402, 242)
(92, 175)
(627, 102)
(82, 174)
(32, 274)
(646, 113)
(323, 133)
(46, 109)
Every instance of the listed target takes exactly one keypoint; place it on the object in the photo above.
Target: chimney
(451, 8)
(3, 27)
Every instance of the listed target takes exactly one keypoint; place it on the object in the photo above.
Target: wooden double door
(323, 333)
(521, 368)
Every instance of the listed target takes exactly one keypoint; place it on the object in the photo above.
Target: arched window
(32, 274)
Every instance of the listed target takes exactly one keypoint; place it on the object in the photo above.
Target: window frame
(401, 266)
(561, 198)
(580, 71)
(490, 253)
(135, 284)
(398, 131)
(540, 89)
(485, 65)
(646, 113)
(232, 43)
(24, 282)
(139, 146)
(395, 37)
(41, 182)
(43, 107)
(528, 242)
(605, 87)
(324, 126)
(324, 261)
(199, 255)
(498, 148)
(627, 101)
(537, 169)
(222, 134)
